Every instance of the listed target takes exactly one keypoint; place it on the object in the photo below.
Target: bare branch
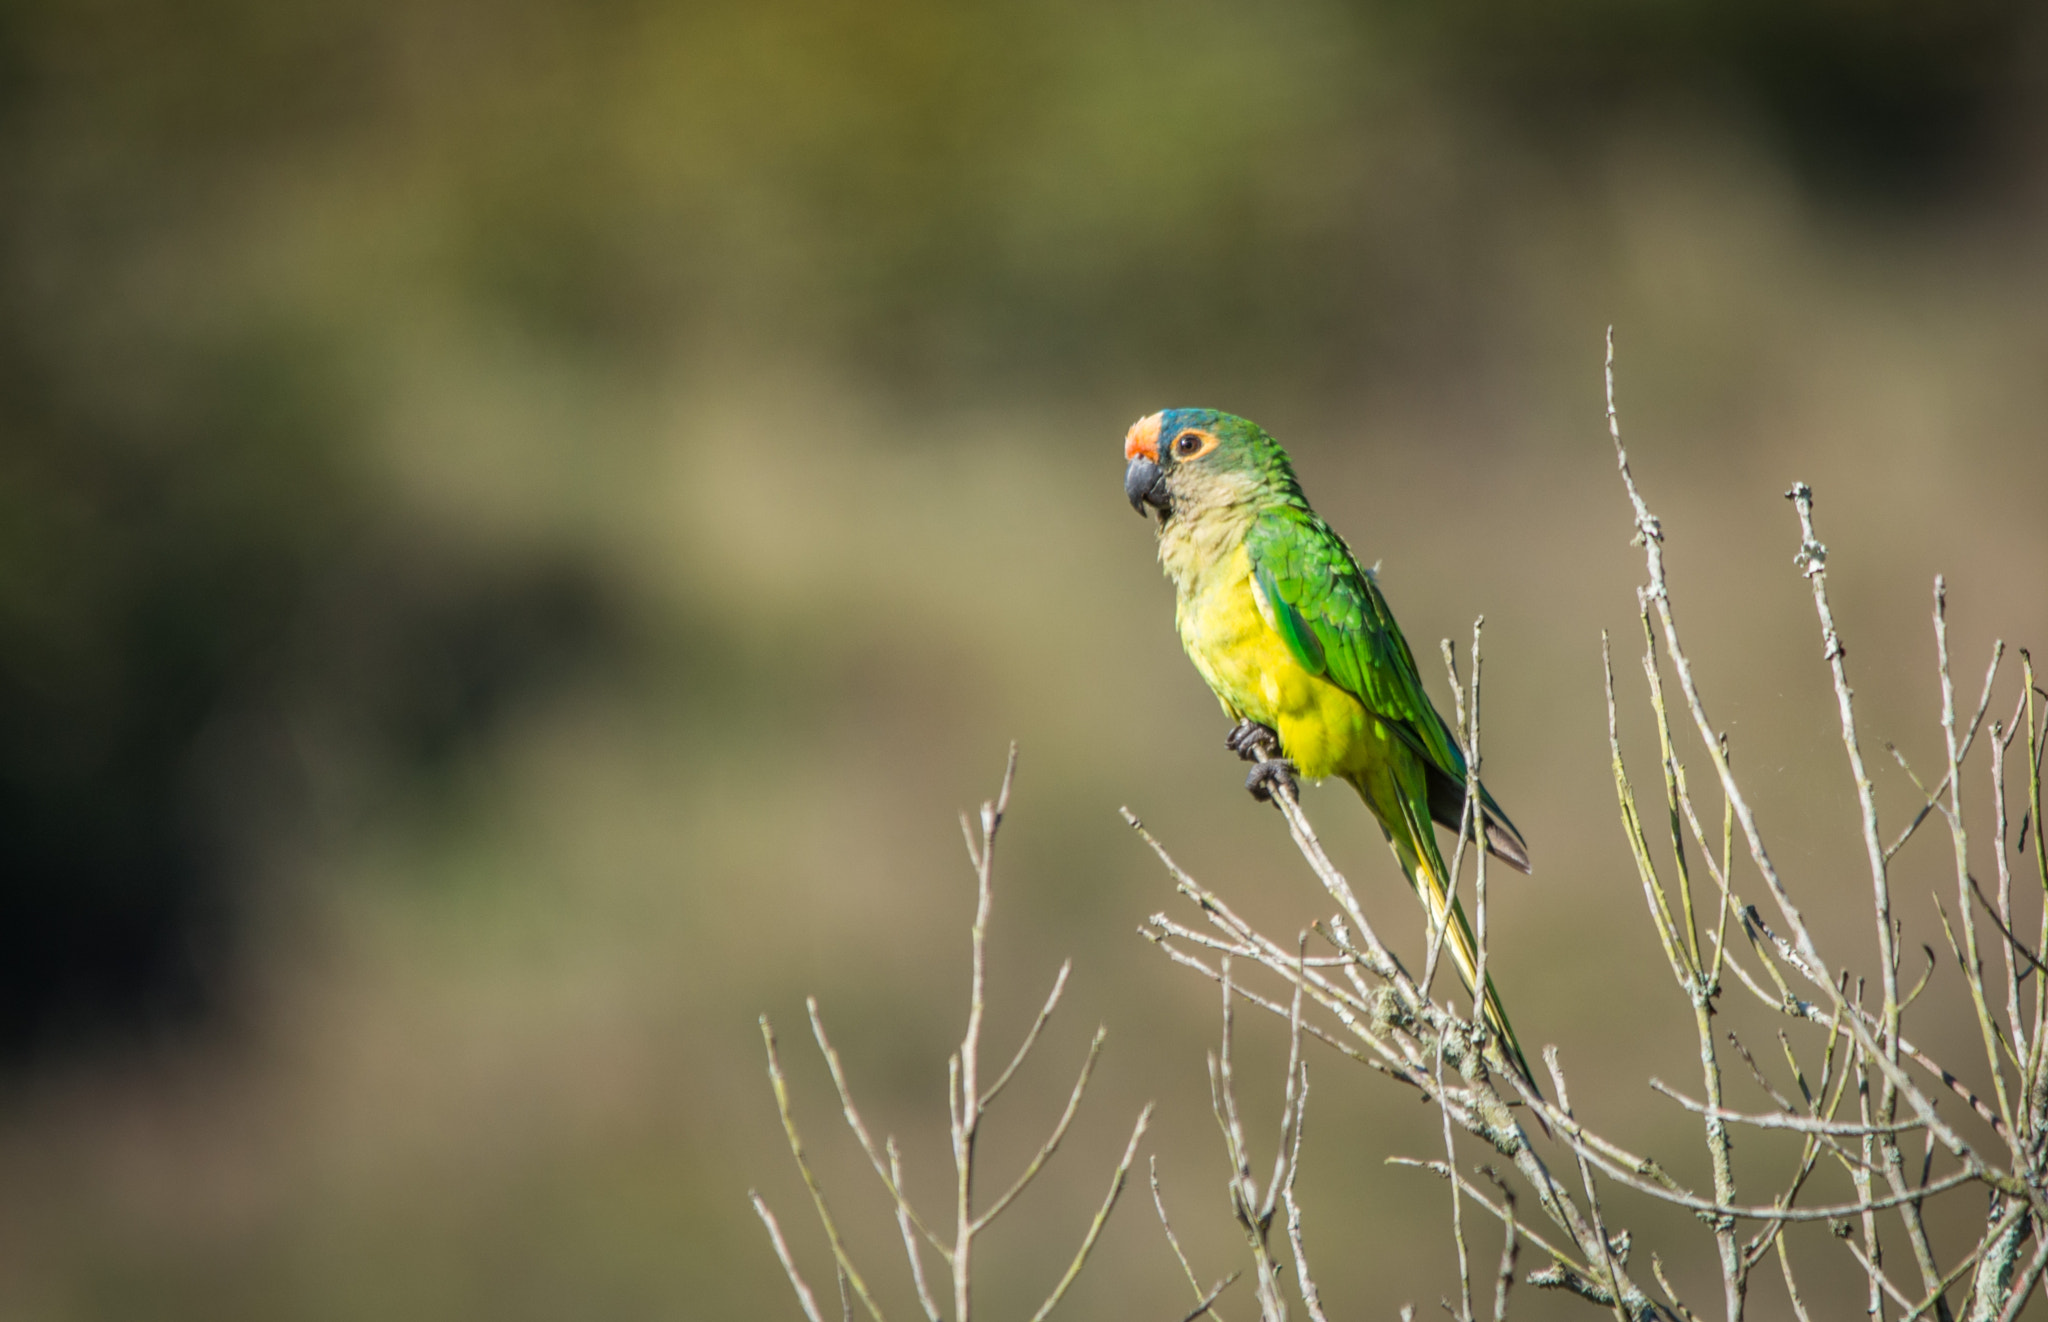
(1606, 1247)
(1384, 963)
(860, 1129)
(1933, 796)
(1973, 969)
(1188, 961)
(1289, 1146)
(1812, 560)
(1187, 1269)
(1297, 1102)
(1052, 1143)
(1651, 536)
(1311, 1297)
(966, 1107)
(1791, 1285)
(1798, 1123)
(1877, 1275)
(1505, 1214)
(803, 1165)
(1621, 1174)
(1116, 1188)
(1253, 1216)
(1457, 1202)
(1208, 1304)
(1677, 1304)
(1504, 1278)
(1059, 984)
(796, 1279)
(910, 1249)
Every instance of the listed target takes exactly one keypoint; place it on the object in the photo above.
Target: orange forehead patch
(1143, 438)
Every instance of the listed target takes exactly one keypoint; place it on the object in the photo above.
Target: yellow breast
(1229, 636)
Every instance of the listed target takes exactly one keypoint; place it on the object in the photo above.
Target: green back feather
(1337, 624)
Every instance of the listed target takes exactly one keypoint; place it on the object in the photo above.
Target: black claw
(1267, 773)
(1252, 741)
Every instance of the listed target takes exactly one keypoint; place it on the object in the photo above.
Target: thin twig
(1933, 796)
(803, 1165)
(1116, 1188)
(1311, 1296)
(1677, 1304)
(1297, 1102)
(1504, 1278)
(1791, 1285)
(2034, 752)
(1812, 561)
(1607, 1263)
(1059, 984)
(860, 1129)
(1681, 945)
(1440, 924)
(1273, 1007)
(803, 1291)
(1252, 1215)
(1876, 1274)
(1504, 1214)
(1457, 1201)
(1173, 1241)
(1052, 1143)
(1476, 827)
(1973, 970)
(1208, 1304)
(1799, 1123)
(910, 1249)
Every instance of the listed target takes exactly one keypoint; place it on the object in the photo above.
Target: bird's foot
(1267, 773)
(1253, 742)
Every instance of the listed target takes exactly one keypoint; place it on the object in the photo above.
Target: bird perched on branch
(1295, 639)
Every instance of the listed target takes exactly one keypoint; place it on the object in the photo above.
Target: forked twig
(967, 1104)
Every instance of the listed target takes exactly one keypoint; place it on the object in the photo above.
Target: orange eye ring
(1191, 445)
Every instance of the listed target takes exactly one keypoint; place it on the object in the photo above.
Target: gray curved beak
(1145, 484)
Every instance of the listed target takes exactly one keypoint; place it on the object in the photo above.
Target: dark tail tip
(1505, 845)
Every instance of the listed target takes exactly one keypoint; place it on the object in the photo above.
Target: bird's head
(1184, 462)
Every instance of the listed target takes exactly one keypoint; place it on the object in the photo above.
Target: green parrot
(1298, 644)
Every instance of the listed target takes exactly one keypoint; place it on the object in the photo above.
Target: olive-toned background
(521, 525)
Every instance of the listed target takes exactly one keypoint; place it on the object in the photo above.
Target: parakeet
(1298, 644)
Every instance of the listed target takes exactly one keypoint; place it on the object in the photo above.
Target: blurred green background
(523, 524)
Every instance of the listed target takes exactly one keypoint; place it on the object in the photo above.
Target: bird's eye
(1188, 444)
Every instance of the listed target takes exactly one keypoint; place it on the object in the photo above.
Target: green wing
(1334, 620)
(1331, 613)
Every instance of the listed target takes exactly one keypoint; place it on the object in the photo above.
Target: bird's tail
(1414, 843)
